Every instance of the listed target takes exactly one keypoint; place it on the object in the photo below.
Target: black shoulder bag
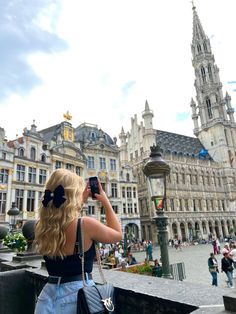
(97, 299)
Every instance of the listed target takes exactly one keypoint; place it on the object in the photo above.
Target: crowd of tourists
(227, 262)
(116, 255)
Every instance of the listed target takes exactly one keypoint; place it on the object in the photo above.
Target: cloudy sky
(102, 59)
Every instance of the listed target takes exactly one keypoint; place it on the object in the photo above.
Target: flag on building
(202, 153)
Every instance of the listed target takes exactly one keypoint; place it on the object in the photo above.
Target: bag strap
(80, 245)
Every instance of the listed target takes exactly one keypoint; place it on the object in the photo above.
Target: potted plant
(15, 241)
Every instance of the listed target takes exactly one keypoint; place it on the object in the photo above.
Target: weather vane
(67, 116)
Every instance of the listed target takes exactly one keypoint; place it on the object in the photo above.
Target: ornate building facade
(26, 163)
(201, 187)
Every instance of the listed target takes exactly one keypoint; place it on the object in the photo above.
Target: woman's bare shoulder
(89, 220)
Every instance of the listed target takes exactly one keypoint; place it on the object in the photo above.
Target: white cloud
(143, 44)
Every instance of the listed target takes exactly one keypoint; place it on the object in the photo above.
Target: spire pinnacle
(198, 32)
(146, 106)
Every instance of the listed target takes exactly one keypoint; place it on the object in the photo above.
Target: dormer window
(43, 158)
(32, 153)
(21, 152)
(93, 136)
(199, 49)
(205, 46)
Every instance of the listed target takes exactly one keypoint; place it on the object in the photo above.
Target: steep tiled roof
(50, 132)
(179, 144)
(89, 133)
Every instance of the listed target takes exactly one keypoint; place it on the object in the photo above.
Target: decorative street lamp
(13, 212)
(156, 170)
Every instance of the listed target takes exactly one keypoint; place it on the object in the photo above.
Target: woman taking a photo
(55, 236)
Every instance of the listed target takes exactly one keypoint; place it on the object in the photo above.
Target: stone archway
(228, 226)
(190, 231)
(183, 231)
(197, 230)
(211, 227)
(204, 229)
(234, 226)
(132, 231)
(217, 229)
(223, 228)
(175, 230)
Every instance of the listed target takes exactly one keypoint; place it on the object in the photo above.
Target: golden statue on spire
(67, 116)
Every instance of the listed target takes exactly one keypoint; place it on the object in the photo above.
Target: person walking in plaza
(213, 268)
(215, 248)
(227, 268)
(149, 251)
(218, 245)
(233, 256)
(226, 248)
(55, 236)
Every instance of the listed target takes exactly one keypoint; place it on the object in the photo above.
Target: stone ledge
(184, 297)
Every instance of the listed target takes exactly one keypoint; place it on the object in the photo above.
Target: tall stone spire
(147, 116)
(208, 86)
(123, 146)
(198, 31)
(217, 129)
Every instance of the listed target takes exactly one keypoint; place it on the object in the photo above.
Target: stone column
(186, 231)
(207, 228)
(220, 229)
(178, 230)
(25, 205)
(201, 229)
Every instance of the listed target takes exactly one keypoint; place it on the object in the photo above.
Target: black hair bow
(57, 197)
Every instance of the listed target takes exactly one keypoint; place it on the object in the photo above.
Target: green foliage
(140, 269)
(15, 241)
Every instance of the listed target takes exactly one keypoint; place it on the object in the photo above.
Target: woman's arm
(109, 233)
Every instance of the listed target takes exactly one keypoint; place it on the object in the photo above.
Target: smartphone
(93, 182)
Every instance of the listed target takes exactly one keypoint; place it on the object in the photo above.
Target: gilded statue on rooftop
(67, 116)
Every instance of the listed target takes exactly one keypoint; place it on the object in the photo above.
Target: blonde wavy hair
(50, 230)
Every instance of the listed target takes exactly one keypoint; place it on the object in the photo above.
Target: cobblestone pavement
(195, 261)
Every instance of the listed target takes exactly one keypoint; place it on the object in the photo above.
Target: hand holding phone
(94, 187)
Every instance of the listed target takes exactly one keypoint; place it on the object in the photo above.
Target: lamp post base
(161, 223)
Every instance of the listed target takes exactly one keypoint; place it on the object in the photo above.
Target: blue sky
(102, 60)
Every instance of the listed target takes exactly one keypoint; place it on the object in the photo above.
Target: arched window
(205, 46)
(127, 177)
(43, 158)
(21, 152)
(199, 49)
(203, 73)
(93, 136)
(210, 72)
(209, 109)
(32, 153)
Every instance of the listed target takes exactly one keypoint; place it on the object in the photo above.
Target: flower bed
(141, 269)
